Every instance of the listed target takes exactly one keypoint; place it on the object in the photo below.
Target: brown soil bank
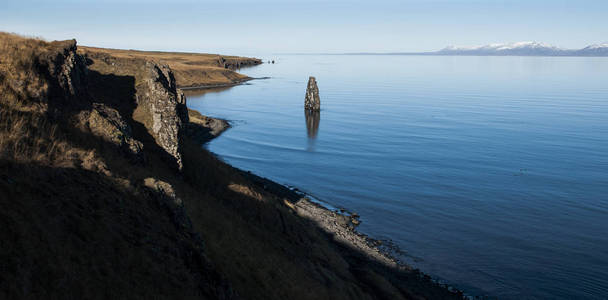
(107, 193)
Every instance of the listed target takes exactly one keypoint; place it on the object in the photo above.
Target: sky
(263, 27)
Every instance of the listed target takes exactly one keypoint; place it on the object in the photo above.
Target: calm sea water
(490, 172)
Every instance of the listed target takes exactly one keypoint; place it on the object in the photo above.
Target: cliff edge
(73, 223)
(191, 70)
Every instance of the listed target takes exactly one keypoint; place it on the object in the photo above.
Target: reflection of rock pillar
(313, 118)
(312, 100)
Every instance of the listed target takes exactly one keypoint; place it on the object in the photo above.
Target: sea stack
(312, 101)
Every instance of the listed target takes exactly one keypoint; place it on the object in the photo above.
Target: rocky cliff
(53, 77)
(93, 206)
(155, 102)
(162, 108)
(235, 63)
(80, 214)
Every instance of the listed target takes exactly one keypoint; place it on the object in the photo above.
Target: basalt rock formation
(107, 123)
(156, 102)
(312, 100)
(237, 63)
(58, 80)
(163, 108)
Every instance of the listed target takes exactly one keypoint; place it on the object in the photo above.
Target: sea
(489, 173)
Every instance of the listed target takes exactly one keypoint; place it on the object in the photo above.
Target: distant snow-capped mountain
(521, 48)
(594, 50)
(525, 49)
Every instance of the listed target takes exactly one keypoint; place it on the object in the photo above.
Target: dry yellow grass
(17, 77)
(190, 69)
(25, 133)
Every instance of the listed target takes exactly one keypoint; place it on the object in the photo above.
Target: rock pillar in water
(312, 101)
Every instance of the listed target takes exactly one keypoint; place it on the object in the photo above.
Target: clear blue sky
(250, 27)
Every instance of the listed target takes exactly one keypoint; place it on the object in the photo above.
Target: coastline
(275, 223)
(144, 210)
(219, 85)
(338, 223)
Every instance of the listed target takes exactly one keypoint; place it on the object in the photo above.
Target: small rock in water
(312, 100)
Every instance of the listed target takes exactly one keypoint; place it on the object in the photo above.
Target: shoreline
(285, 221)
(340, 223)
(219, 85)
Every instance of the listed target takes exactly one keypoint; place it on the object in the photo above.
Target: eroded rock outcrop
(162, 108)
(107, 123)
(234, 63)
(202, 128)
(312, 101)
(163, 188)
(65, 92)
(66, 70)
(155, 102)
(48, 74)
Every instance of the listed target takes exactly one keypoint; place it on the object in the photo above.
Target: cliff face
(79, 219)
(65, 71)
(162, 108)
(52, 75)
(156, 103)
(235, 63)
(107, 123)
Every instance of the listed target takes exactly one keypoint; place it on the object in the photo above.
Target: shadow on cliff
(115, 91)
(119, 93)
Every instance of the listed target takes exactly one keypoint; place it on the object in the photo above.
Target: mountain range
(508, 49)
(524, 49)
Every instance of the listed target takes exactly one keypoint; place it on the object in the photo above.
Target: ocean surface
(491, 173)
